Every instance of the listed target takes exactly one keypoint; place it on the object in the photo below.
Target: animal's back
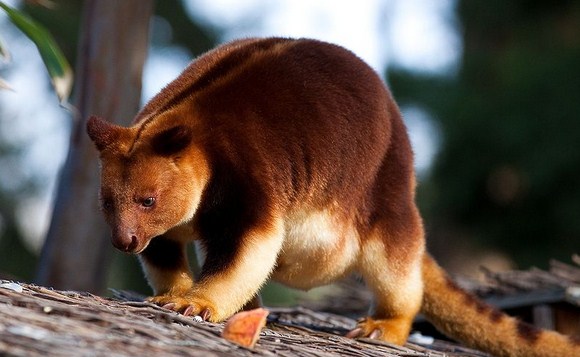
(309, 115)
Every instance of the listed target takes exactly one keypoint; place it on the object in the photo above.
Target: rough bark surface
(36, 321)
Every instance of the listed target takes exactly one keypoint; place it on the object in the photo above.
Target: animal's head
(152, 178)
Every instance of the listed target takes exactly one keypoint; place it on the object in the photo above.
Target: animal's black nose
(126, 241)
(133, 244)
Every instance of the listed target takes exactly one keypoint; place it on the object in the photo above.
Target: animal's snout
(125, 240)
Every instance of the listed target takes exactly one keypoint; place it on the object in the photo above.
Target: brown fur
(287, 159)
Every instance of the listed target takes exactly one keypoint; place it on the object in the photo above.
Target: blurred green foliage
(54, 61)
(507, 172)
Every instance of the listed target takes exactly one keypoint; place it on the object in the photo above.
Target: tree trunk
(112, 51)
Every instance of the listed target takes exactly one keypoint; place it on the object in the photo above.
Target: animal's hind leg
(391, 266)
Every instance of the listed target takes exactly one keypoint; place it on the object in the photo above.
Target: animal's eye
(148, 202)
(106, 204)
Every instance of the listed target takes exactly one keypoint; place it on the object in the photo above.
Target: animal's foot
(189, 306)
(395, 330)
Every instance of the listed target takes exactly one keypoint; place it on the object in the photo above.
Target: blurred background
(490, 92)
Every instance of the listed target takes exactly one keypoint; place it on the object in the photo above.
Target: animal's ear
(171, 141)
(103, 133)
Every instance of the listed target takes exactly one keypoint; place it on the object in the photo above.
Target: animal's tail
(462, 316)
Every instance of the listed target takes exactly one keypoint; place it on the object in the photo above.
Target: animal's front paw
(394, 331)
(189, 305)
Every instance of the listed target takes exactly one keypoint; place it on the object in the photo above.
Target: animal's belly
(318, 248)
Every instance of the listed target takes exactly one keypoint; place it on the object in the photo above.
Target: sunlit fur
(285, 159)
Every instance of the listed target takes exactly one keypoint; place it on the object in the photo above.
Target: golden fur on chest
(286, 159)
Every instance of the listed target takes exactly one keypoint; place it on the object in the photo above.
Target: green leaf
(58, 67)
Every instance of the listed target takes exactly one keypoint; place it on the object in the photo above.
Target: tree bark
(112, 52)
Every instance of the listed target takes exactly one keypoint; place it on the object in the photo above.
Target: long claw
(188, 311)
(375, 334)
(354, 333)
(169, 306)
(205, 314)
